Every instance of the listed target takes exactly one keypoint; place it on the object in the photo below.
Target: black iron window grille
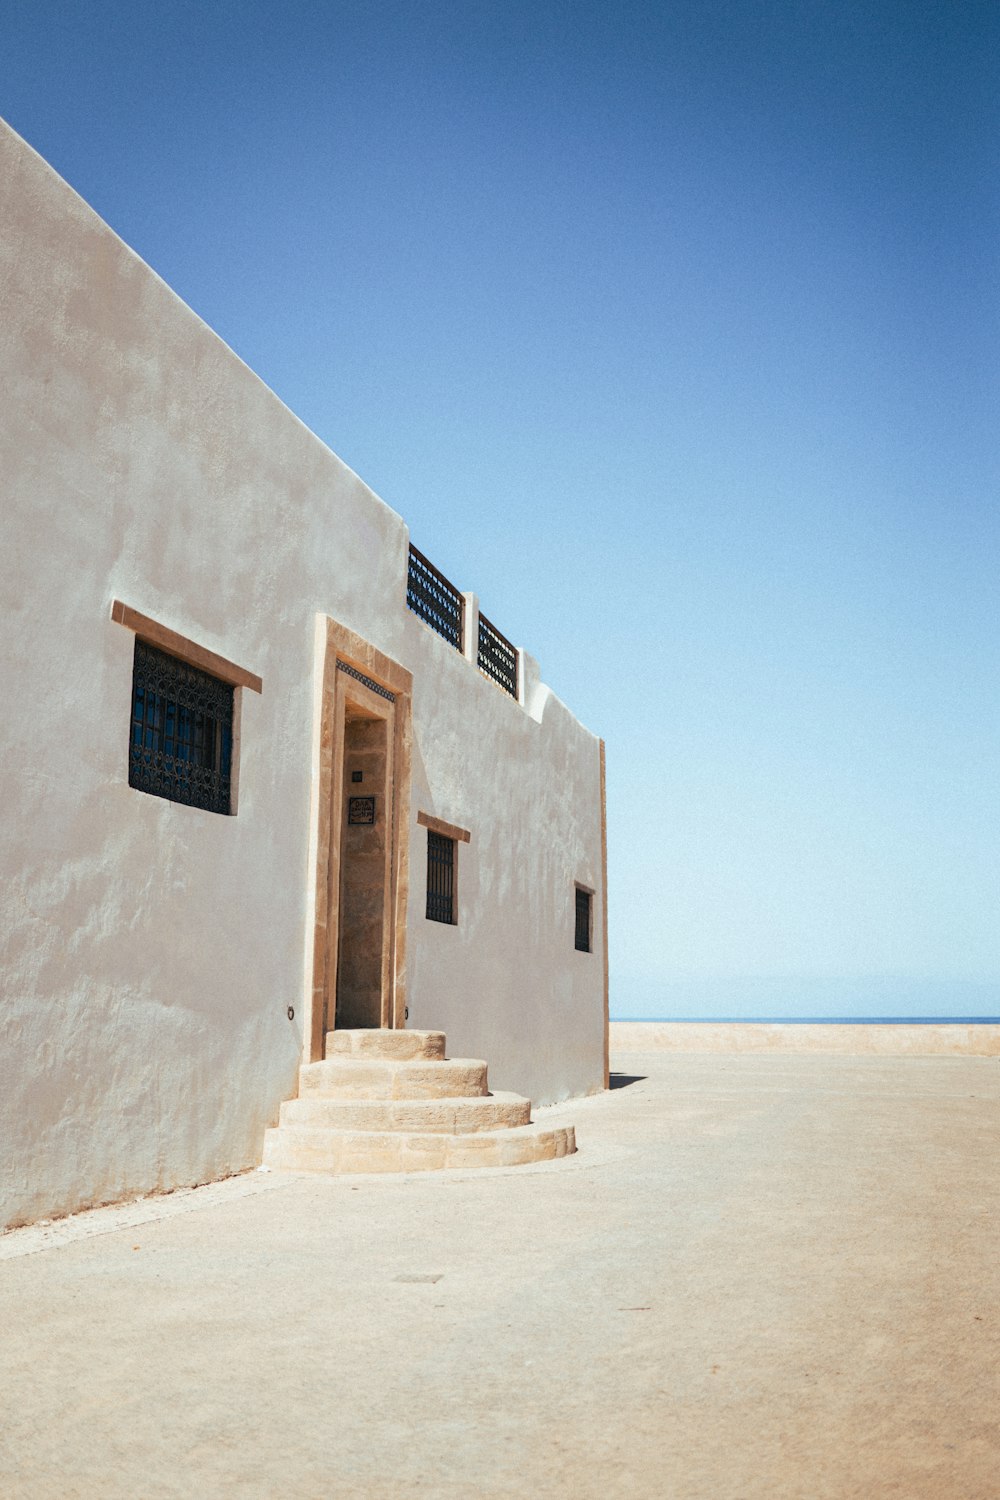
(584, 901)
(440, 878)
(434, 599)
(181, 744)
(497, 658)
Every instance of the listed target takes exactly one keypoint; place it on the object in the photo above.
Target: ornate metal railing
(438, 602)
(496, 657)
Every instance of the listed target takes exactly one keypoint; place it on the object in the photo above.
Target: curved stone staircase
(391, 1101)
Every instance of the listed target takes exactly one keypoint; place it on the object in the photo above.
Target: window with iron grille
(440, 878)
(584, 902)
(434, 599)
(181, 742)
(497, 658)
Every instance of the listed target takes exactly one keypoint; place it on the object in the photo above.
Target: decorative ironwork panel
(181, 743)
(368, 682)
(440, 878)
(434, 599)
(583, 906)
(497, 658)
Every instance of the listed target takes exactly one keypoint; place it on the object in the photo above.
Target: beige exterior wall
(505, 982)
(150, 952)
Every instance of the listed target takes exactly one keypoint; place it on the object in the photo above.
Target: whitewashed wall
(505, 982)
(150, 951)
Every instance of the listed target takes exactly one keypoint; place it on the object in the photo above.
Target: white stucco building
(256, 780)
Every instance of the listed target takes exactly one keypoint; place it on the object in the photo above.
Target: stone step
(454, 1116)
(396, 1046)
(313, 1148)
(391, 1101)
(380, 1078)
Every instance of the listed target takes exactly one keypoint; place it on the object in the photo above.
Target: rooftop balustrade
(436, 601)
(496, 657)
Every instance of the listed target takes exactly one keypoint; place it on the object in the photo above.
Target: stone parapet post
(470, 628)
(528, 677)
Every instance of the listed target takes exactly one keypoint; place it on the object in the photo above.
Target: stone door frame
(351, 670)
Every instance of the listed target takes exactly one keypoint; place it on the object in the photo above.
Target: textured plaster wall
(506, 982)
(150, 951)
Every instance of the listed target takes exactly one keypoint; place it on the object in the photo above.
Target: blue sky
(671, 331)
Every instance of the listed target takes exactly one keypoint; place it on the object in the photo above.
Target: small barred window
(181, 744)
(440, 878)
(584, 903)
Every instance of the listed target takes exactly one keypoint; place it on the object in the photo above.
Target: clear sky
(672, 331)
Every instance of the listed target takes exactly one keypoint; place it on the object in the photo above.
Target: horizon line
(813, 1020)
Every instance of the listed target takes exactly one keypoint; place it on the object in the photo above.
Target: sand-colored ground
(762, 1278)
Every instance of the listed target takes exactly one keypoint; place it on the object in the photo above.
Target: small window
(440, 878)
(584, 905)
(181, 744)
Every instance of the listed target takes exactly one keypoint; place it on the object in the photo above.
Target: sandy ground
(761, 1277)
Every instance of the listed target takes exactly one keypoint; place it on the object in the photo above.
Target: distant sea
(819, 1020)
(874, 1001)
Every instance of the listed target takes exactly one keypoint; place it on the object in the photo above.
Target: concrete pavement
(761, 1276)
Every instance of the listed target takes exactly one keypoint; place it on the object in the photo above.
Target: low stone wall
(916, 1039)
